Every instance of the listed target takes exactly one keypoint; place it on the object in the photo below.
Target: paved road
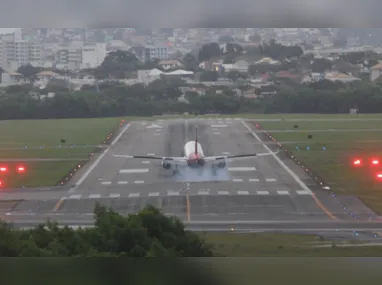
(261, 189)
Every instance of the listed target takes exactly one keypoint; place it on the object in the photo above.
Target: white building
(15, 52)
(93, 55)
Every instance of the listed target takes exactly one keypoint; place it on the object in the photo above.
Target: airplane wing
(172, 160)
(238, 157)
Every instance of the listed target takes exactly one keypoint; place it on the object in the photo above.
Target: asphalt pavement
(269, 189)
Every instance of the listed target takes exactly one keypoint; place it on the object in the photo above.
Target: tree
(117, 64)
(28, 71)
(209, 51)
(225, 39)
(190, 62)
(320, 65)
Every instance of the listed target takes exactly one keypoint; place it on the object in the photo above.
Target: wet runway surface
(269, 189)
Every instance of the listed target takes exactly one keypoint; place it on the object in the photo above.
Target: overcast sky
(191, 13)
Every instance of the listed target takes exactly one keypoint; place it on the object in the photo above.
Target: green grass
(85, 134)
(281, 245)
(335, 164)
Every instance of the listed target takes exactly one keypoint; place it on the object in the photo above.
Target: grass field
(344, 141)
(282, 245)
(36, 139)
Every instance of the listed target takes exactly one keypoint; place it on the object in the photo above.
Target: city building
(15, 52)
(146, 53)
(93, 55)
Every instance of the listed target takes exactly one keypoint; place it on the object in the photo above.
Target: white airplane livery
(194, 157)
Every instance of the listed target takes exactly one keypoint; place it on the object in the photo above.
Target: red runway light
(379, 175)
(3, 169)
(375, 162)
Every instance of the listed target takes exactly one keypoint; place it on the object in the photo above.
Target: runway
(268, 189)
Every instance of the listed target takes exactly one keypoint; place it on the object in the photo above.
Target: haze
(197, 13)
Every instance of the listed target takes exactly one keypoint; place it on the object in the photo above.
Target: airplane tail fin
(196, 140)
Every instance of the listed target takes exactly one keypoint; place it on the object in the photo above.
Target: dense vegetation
(161, 97)
(148, 233)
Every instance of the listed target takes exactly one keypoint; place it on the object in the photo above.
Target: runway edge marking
(290, 171)
(95, 164)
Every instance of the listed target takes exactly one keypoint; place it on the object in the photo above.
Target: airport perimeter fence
(107, 141)
(315, 176)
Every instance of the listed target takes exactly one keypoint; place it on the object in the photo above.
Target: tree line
(164, 97)
(148, 233)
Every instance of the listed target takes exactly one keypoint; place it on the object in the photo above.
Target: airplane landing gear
(214, 170)
(175, 170)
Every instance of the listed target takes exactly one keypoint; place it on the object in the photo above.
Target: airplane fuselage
(194, 154)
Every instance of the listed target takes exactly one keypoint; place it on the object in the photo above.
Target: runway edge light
(3, 169)
(375, 161)
(357, 162)
(20, 169)
(379, 176)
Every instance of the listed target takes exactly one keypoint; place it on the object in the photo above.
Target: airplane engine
(166, 165)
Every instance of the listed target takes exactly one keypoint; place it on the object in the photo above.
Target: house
(47, 75)
(340, 77)
(376, 72)
(170, 64)
(267, 60)
(13, 78)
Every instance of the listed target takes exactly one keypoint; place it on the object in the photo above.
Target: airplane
(194, 157)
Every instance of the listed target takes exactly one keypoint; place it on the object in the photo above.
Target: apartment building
(93, 55)
(15, 52)
(145, 53)
(69, 58)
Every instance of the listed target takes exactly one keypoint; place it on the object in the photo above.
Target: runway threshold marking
(58, 204)
(98, 160)
(188, 208)
(290, 171)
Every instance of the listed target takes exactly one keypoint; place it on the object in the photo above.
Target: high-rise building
(93, 55)
(15, 52)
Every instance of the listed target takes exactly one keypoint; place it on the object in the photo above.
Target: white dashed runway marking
(242, 193)
(123, 182)
(262, 192)
(241, 169)
(139, 181)
(154, 194)
(283, 192)
(237, 180)
(270, 180)
(106, 182)
(115, 195)
(95, 196)
(138, 170)
(254, 180)
(133, 195)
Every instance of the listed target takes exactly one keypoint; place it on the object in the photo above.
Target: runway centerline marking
(283, 192)
(219, 126)
(223, 193)
(172, 193)
(290, 171)
(237, 180)
(188, 208)
(98, 160)
(139, 181)
(262, 192)
(150, 154)
(242, 193)
(254, 180)
(270, 180)
(114, 195)
(241, 169)
(154, 194)
(146, 162)
(94, 196)
(106, 182)
(123, 182)
(137, 170)
(133, 195)
(303, 192)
